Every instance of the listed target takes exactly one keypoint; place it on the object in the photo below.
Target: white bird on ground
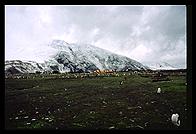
(175, 119)
(121, 82)
(159, 90)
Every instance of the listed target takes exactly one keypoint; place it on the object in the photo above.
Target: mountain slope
(17, 66)
(76, 58)
(161, 66)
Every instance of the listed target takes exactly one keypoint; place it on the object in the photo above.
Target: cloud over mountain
(144, 33)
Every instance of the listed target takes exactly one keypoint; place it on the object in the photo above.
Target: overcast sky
(144, 33)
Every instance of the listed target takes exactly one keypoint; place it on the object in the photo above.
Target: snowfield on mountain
(65, 57)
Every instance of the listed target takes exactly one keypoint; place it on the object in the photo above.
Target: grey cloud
(126, 30)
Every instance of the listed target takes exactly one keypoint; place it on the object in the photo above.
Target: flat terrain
(101, 102)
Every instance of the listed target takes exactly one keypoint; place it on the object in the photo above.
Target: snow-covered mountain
(161, 66)
(17, 66)
(67, 57)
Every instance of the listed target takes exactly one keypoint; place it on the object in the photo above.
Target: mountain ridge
(71, 57)
(161, 66)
